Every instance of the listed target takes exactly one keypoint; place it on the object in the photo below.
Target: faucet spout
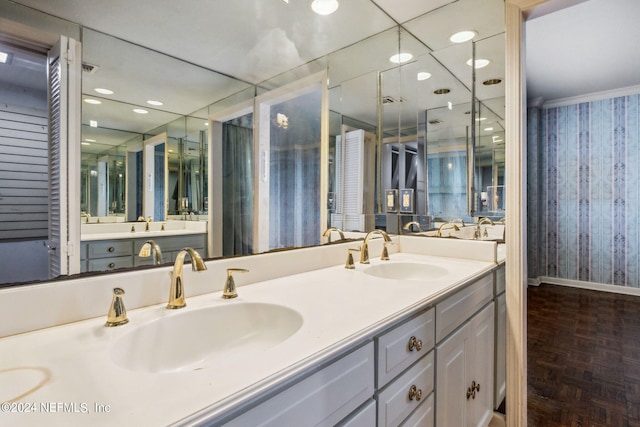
(176, 291)
(485, 220)
(327, 233)
(147, 247)
(364, 252)
(445, 225)
(408, 226)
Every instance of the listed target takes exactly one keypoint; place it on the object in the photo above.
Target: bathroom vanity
(113, 246)
(413, 341)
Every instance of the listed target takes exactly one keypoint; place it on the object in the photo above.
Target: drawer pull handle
(112, 264)
(415, 393)
(111, 249)
(415, 344)
(471, 391)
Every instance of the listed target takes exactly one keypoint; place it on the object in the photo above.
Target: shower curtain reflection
(294, 178)
(237, 185)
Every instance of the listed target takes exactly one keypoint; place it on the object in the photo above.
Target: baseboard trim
(585, 285)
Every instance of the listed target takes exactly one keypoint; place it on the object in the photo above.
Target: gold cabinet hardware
(117, 314)
(471, 391)
(111, 249)
(230, 285)
(112, 265)
(415, 344)
(415, 393)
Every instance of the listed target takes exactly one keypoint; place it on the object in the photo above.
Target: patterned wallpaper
(583, 165)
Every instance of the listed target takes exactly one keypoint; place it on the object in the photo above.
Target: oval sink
(406, 271)
(200, 338)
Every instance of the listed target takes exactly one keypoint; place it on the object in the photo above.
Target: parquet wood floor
(583, 358)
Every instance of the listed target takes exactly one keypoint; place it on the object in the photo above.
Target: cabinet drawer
(112, 248)
(364, 417)
(396, 401)
(456, 309)
(110, 263)
(501, 281)
(423, 416)
(323, 399)
(398, 348)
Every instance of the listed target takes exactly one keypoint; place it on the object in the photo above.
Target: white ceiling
(586, 48)
(248, 42)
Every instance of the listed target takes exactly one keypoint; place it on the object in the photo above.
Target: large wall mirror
(404, 111)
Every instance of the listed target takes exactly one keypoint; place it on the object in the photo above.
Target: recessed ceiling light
(488, 129)
(93, 123)
(480, 63)
(92, 101)
(140, 111)
(84, 143)
(170, 150)
(156, 103)
(104, 91)
(89, 140)
(491, 82)
(441, 91)
(206, 123)
(401, 58)
(423, 75)
(5, 57)
(480, 119)
(463, 36)
(324, 7)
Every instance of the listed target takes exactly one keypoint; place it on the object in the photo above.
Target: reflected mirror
(408, 130)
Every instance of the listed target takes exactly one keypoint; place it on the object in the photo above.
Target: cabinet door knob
(415, 344)
(111, 249)
(415, 393)
(112, 264)
(471, 391)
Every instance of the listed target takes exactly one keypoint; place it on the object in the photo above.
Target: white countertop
(340, 307)
(122, 230)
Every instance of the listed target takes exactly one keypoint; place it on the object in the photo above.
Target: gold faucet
(230, 285)
(147, 247)
(485, 220)
(176, 292)
(460, 220)
(364, 250)
(349, 264)
(327, 233)
(117, 314)
(407, 226)
(148, 220)
(443, 226)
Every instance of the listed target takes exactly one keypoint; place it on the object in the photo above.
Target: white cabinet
(464, 363)
(323, 399)
(500, 340)
(405, 372)
(406, 393)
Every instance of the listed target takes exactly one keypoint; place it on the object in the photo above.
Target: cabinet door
(480, 367)
(501, 350)
(451, 383)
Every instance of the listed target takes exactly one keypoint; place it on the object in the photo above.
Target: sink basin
(406, 271)
(205, 337)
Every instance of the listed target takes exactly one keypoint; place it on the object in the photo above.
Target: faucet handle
(117, 314)
(230, 285)
(350, 264)
(384, 256)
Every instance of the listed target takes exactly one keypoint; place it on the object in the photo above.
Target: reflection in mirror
(390, 105)
(293, 172)
(237, 185)
(155, 182)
